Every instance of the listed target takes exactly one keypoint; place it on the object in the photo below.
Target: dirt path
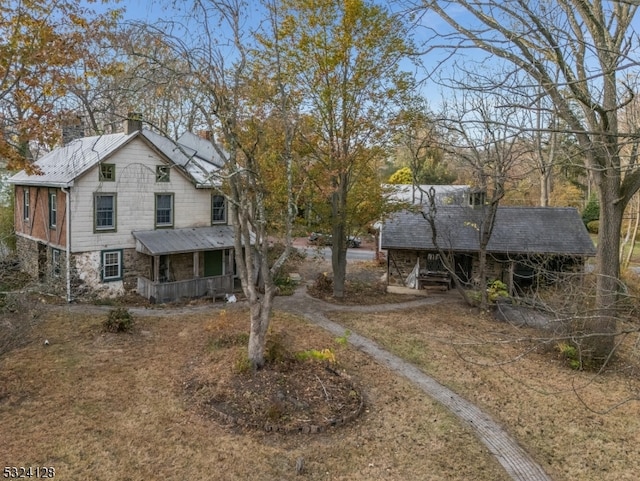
(518, 464)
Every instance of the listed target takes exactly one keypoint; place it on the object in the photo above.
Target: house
(525, 241)
(127, 212)
(419, 194)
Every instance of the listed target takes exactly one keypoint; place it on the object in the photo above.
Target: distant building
(419, 194)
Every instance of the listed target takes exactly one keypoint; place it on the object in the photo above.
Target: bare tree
(483, 134)
(575, 51)
(229, 98)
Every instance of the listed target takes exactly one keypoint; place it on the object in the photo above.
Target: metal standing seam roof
(177, 241)
(61, 166)
(517, 230)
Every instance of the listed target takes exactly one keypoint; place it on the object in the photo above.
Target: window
(218, 209)
(477, 198)
(105, 212)
(162, 173)
(164, 210)
(107, 173)
(55, 263)
(111, 265)
(26, 202)
(53, 209)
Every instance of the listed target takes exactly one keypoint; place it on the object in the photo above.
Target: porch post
(156, 269)
(196, 265)
(512, 268)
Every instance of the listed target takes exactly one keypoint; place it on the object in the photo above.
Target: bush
(593, 226)
(570, 354)
(118, 320)
(496, 290)
(592, 210)
(286, 286)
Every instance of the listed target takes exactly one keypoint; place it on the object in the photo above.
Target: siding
(135, 185)
(37, 227)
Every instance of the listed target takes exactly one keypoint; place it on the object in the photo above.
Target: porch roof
(178, 241)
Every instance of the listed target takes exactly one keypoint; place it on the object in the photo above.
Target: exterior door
(213, 265)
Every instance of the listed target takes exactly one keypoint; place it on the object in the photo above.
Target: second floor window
(53, 209)
(218, 209)
(26, 203)
(107, 173)
(164, 210)
(105, 212)
(162, 173)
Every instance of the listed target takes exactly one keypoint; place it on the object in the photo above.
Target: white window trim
(103, 265)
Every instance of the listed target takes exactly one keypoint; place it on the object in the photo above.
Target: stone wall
(36, 259)
(27, 250)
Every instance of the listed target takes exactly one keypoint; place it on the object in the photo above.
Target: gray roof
(176, 241)
(517, 230)
(62, 166)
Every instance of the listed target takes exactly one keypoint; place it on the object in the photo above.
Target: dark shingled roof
(517, 230)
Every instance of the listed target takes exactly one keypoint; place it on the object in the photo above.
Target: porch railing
(161, 292)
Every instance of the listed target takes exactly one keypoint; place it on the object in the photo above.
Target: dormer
(477, 197)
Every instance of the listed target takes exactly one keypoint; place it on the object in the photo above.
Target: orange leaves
(43, 45)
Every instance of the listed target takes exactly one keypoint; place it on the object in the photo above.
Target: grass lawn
(113, 407)
(577, 425)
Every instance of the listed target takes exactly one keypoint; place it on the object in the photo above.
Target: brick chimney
(206, 135)
(133, 123)
(72, 128)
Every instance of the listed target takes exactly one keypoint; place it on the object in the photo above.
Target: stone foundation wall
(36, 259)
(27, 250)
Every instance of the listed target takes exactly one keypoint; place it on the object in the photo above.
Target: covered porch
(186, 263)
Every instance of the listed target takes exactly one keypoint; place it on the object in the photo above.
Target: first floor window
(105, 212)
(55, 262)
(111, 265)
(164, 210)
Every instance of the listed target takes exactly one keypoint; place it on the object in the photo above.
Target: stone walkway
(518, 464)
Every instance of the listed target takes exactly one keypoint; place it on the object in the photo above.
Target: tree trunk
(338, 232)
(601, 330)
(482, 274)
(260, 317)
(545, 186)
(634, 233)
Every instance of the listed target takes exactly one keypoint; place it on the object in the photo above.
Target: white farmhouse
(127, 212)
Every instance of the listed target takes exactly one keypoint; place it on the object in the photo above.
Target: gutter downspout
(68, 240)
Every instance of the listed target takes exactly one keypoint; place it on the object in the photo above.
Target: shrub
(593, 226)
(324, 283)
(496, 290)
(325, 355)
(570, 354)
(118, 320)
(286, 285)
(591, 211)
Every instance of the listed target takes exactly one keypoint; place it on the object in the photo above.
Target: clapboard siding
(135, 185)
